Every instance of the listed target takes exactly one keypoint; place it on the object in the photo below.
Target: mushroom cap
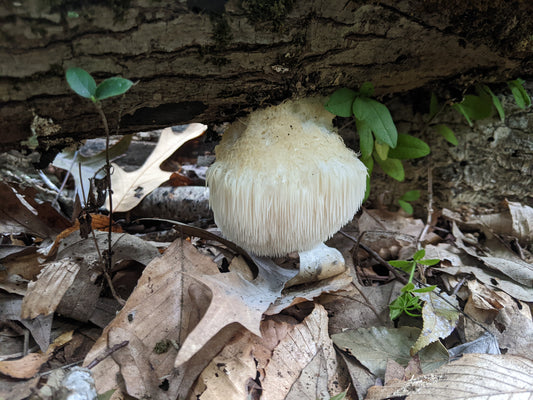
(283, 180)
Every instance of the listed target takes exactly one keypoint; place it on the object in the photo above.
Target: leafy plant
(84, 85)
(405, 200)
(81, 82)
(519, 93)
(379, 141)
(479, 106)
(408, 301)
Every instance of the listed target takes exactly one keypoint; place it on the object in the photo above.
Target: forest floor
(177, 312)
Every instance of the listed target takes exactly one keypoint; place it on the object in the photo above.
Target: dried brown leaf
(472, 376)
(20, 212)
(160, 309)
(301, 345)
(28, 366)
(234, 299)
(44, 295)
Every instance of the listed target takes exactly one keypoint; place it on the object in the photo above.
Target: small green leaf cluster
(408, 301)
(379, 140)
(479, 106)
(407, 198)
(83, 84)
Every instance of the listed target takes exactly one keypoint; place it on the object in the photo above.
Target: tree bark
(213, 65)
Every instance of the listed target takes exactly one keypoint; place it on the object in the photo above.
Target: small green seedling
(405, 200)
(519, 93)
(408, 302)
(84, 84)
(81, 82)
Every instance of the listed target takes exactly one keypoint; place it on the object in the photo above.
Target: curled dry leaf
(21, 212)
(29, 365)
(68, 284)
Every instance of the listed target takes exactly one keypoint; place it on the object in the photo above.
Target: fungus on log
(284, 181)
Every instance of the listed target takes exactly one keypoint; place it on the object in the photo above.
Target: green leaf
(519, 93)
(409, 147)
(433, 105)
(369, 163)
(112, 87)
(81, 82)
(411, 195)
(392, 167)
(382, 150)
(425, 289)
(107, 395)
(419, 255)
(366, 140)
(378, 117)
(459, 108)
(474, 107)
(402, 264)
(495, 101)
(367, 190)
(340, 102)
(340, 396)
(431, 261)
(447, 133)
(408, 208)
(367, 89)
(408, 288)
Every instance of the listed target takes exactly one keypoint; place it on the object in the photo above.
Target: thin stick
(109, 190)
(107, 353)
(378, 258)
(429, 221)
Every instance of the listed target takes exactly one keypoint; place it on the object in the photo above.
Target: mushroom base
(317, 264)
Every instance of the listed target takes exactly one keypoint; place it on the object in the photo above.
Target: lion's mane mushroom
(283, 180)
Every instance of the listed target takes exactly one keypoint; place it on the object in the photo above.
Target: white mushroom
(283, 180)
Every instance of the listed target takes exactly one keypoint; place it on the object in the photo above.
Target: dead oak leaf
(129, 188)
(235, 300)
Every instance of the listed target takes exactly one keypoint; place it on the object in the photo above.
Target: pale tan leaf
(310, 291)
(293, 355)
(463, 263)
(159, 310)
(499, 258)
(522, 216)
(129, 188)
(44, 295)
(234, 299)
(228, 374)
(439, 316)
(473, 376)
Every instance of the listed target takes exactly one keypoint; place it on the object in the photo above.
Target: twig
(377, 257)
(107, 353)
(110, 191)
(429, 221)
